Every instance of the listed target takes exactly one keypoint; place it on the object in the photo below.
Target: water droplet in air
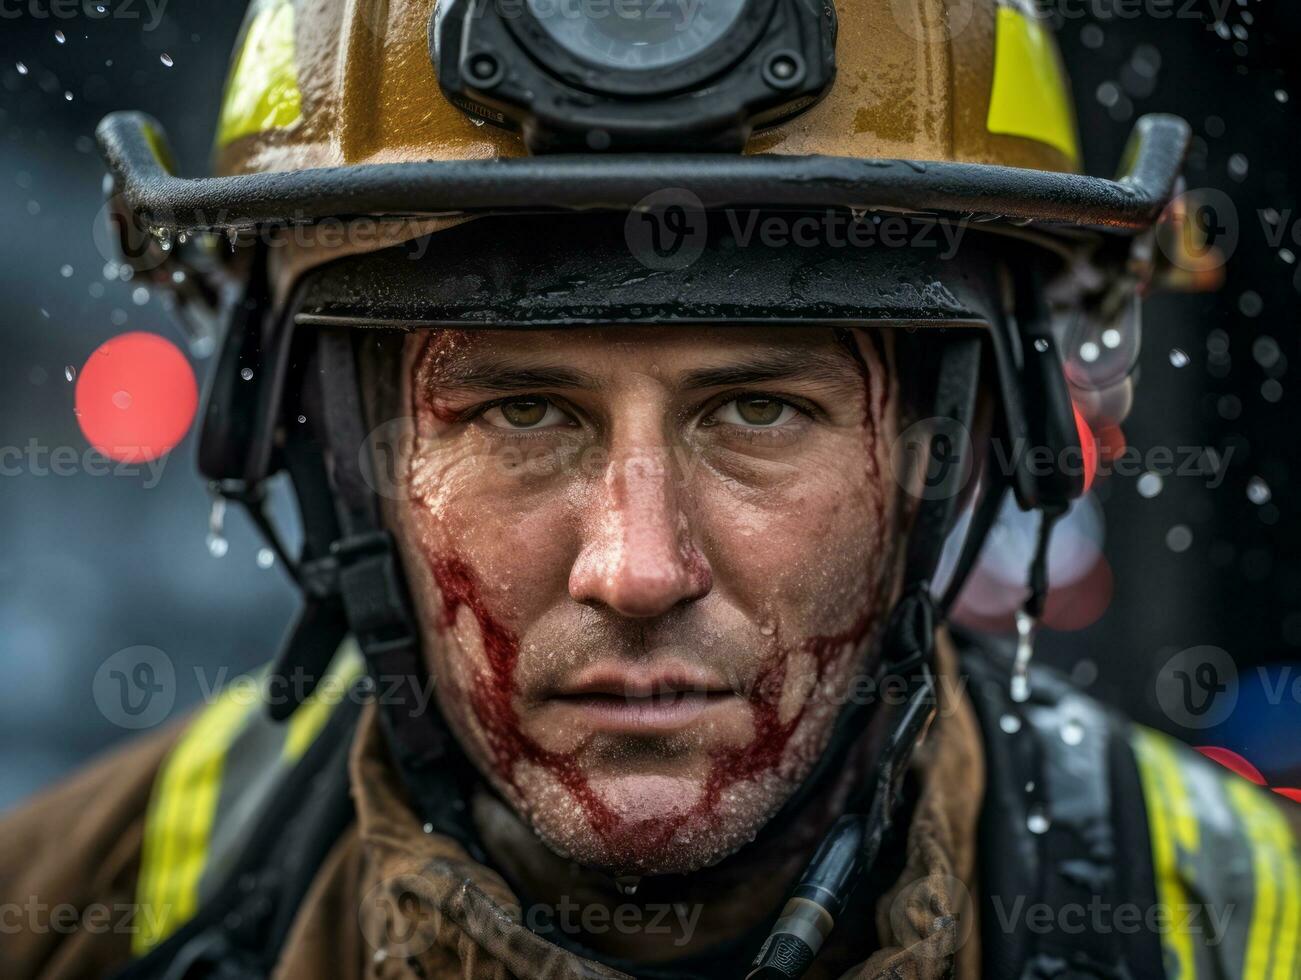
(246, 373)
(1037, 821)
(70, 372)
(1041, 345)
(1072, 733)
(22, 69)
(627, 884)
(66, 272)
(122, 400)
(61, 37)
(302, 419)
(1178, 358)
(166, 59)
(67, 96)
(1149, 485)
(1258, 491)
(217, 546)
(265, 558)
(1010, 723)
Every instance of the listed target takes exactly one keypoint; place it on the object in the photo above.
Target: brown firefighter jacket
(100, 869)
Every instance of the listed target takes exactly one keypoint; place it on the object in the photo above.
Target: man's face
(647, 562)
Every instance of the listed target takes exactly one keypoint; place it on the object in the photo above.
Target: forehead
(669, 353)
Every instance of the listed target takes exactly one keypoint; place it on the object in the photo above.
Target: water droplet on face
(767, 629)
(70, 372)
(1010, 723)
(1178, 358)
(1037, 821)
(265, 558)
(246, 373)
(1258, 491)
(217, 546)
(166, 59)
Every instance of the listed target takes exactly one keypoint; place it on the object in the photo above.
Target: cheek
(802, 554)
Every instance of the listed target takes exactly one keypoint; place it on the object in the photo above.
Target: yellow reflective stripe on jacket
(1227, 867)
(213, 785)
(181, 812)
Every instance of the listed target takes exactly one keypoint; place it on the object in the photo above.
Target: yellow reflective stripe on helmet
(180, 815)
(263, 93)
(1173, 827)
(306, 722)
(1029, 96)
(1273, 937)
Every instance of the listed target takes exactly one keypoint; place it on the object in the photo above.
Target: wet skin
(648, 563)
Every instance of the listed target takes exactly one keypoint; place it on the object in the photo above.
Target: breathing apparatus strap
(894, 729)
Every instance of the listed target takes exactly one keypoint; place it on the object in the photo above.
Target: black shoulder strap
(238, 935)
(1063, 832)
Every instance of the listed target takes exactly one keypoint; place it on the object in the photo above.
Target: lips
(640, 699)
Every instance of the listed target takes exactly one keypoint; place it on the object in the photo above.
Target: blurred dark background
(92, 565)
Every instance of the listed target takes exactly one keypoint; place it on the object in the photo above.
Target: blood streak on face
(493, 706)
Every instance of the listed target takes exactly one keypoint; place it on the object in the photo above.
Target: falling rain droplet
(302, 419)
(60, 37)
(265, 558)
(67, 96)
(1037, 821)
(22, 69)
(1041, 345)
(66, 272)
(217, 546)
(1010, 723)
(1258, 491)
(1178, 358)
(70, 373)
(1149, 485)
(246, 373)
(166, 59)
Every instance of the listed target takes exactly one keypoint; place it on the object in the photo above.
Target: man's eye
(525, 413)
(755, 411)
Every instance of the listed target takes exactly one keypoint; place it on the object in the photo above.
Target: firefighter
(632, 365)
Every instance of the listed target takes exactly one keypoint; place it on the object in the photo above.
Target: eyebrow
(834, 367)
(503, 376)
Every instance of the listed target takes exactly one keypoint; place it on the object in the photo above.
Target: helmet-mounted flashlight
(634, 74)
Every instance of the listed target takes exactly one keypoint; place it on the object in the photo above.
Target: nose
(637, 557)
